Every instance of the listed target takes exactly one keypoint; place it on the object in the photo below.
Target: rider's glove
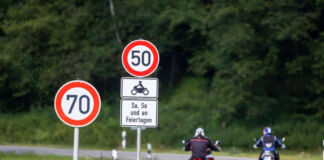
(283, 146)
(219, 148)
(255, 146)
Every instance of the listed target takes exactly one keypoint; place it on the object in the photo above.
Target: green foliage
(262, 56)
(48, 43)
(41, 126)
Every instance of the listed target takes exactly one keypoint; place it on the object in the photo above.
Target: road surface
(122, 155)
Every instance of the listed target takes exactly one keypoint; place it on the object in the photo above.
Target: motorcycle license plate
(267, 158)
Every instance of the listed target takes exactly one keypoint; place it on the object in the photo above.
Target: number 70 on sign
(77, 103)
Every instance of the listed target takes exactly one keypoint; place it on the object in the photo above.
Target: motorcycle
(136, 90)
(209, 155)
(269, 149)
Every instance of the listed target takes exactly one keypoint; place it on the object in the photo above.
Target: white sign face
(139, 87)
(77, 103)
(140, 58)
(141, 113)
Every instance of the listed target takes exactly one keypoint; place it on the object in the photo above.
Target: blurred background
(229, 66)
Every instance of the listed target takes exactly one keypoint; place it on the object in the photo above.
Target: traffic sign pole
(124, 140)
(138, 143)
(76, 143)
(77, 104)
(140, 58)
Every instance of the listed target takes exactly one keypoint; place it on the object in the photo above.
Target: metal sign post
(139, 104)
(138, 143)
(77, 104)
(76, 143)
(149, 151)
(114, 154)
(124, 140)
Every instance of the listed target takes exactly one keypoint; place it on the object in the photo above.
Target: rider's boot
(276, 153)
(260, 157)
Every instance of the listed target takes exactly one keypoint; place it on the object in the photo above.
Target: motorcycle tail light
(267, 153)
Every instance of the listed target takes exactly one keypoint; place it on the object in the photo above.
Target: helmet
(199, 132)
(267, 130)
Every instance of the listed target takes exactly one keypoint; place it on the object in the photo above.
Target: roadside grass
(232, 152)
(283, 155)
(235, 152)
(12, 156)
(42, 128)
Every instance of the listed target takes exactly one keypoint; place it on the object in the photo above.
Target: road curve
(122, 155)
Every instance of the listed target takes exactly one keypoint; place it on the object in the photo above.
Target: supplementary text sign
(141, 113)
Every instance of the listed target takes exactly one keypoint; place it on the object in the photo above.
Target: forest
(229, 66)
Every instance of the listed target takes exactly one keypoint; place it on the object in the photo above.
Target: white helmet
(199, 132)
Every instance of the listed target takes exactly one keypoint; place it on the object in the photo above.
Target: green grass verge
(40, 157)
(235, 152)
(232, 152)
(42, 126)
(283, 155)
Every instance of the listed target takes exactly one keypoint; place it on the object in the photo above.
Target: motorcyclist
(139, 85)
(269, 138)
(199, 145)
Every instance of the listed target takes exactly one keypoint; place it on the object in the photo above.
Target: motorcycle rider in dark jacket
(199, 145)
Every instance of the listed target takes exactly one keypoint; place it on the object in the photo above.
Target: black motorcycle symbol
(139, 89)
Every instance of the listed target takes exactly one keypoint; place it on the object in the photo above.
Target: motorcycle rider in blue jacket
(269, 142)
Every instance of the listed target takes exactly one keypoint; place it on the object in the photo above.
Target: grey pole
(138, 143)
(76, 140)
(149, 151)
(323, 149)
(124, 139)
(114, 154)
(76, 143)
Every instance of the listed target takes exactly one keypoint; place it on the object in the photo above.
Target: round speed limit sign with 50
(140, 58)
(77, 103)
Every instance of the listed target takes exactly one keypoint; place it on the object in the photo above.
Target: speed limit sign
(140, 58)
(77, 103)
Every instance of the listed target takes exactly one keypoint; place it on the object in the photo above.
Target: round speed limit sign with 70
(140, 58)
(77, 103)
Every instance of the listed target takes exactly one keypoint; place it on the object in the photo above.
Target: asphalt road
(122, 155)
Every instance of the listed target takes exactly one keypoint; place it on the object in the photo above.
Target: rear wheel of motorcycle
(133, 91)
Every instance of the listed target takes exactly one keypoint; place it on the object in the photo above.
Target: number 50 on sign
(140, 58)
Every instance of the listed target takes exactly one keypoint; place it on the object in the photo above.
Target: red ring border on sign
(149, 70)
(58, 106)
